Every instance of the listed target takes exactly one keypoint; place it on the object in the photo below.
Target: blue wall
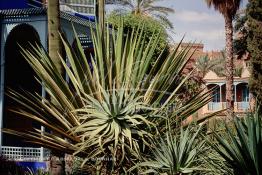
(15, 4)
(34, 166)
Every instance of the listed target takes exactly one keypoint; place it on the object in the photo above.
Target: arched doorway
(216, 102)
(242, 96)
(19, 76)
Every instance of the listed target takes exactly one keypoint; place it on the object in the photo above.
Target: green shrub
(151, 28)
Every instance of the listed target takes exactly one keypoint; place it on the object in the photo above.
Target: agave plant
(241, 148)
(121, 118)
(211, 162)
(109, 106)
(175, 153)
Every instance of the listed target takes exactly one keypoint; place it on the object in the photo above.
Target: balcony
(241, 97)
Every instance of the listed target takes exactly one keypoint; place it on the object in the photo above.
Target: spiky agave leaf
(121, 120)
(175, 153)
(242, 150)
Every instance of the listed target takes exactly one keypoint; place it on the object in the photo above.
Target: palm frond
(226, 8)
(147, 8)
(164, 10)
(164, 20)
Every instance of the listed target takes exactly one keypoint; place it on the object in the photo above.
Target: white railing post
(220, 96)
(42, 129)
(41, 158)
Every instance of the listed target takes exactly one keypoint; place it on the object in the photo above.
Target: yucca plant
(175, 153)
(242, 146)
(111, 106)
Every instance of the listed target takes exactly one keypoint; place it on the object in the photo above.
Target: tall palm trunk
(101, 14)
(57, 165)
(54, 42)
(229, 65)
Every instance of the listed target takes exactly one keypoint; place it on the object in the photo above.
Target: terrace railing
(238, 106)
(24, 153)
(214, 106)
(242, 106)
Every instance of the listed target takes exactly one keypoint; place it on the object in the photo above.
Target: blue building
(19, 23)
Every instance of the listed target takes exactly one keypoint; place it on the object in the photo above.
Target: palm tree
(54, 42)
(100, 15)
(220, 64)
(204, 65)
(147, 8)
(228, 9)
(55, 48)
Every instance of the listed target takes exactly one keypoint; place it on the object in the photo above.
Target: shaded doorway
(19, 76)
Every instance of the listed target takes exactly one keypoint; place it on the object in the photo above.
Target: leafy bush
(151, 28)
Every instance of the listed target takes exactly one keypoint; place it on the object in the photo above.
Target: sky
(197, 22)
